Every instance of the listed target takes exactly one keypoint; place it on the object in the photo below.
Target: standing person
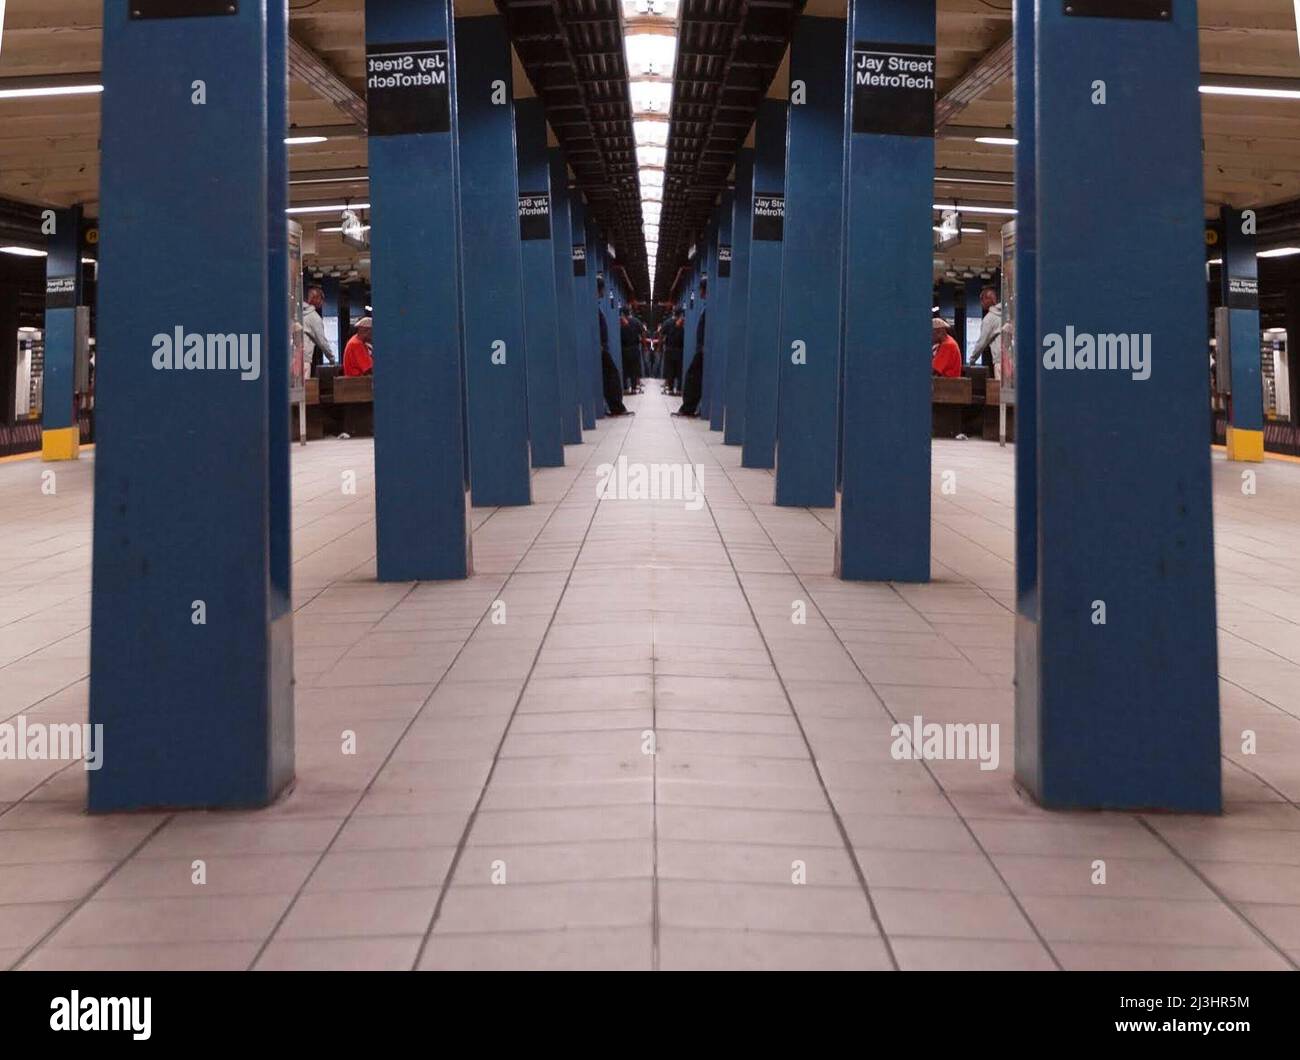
(317, 348)
(693, 385)
(359, 354)
(988, 348)
(945, 356)
(608, 370)
(674, 341)
(629, 335)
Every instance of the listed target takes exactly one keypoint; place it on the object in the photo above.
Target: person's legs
(693, 387)
(613, 388)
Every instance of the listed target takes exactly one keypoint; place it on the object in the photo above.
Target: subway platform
(617, 747)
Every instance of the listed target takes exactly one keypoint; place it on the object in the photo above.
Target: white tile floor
(514, 752)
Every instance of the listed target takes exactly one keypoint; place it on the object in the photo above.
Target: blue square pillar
(191, 635)
(492, 292)
(1239, 279)
(583, 327)
(535, 232)
(420, 473)
(766, 234)
(883, 532)
(736, 338)
(595, 279)
(283, 292)
(566, 330)
(808, 351)
(60, 430)
(1116, 669)
(715, 366)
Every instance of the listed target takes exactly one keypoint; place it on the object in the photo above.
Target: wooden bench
(949, 399)
(951, 391)
(354, 396)
(991, 402)
(315, 414)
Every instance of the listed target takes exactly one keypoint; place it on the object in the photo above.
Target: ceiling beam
(309, 68)
(995, 66)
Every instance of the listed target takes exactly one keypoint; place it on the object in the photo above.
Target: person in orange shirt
(946, 356)
(358, 355)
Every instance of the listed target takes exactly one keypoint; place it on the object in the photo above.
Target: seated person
(358, 354)
(945, 356)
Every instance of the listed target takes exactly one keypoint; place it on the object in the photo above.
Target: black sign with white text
(407, 88)
(893, 89)
(724, 260)
(61, 292)
(579, 259)
(1243, 292)
(534, 215)
(769, 215)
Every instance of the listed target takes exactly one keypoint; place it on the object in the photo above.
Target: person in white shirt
(317, 349)
(988, 348)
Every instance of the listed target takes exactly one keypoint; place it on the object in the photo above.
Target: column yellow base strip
(1246, 446)
(61, 444)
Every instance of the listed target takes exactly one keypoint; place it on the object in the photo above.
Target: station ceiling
(570, 53)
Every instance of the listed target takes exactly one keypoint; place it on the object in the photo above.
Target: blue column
(1239, 278)
(491, 271)
(766, 234)
(947, 304)
(583, 269)
(1117, 690)
(715, 367)
(736, 348)
(60, 431)
(604, 309)
(539, 284)
(191, 647)
(566, 332)
(692, 318)
(595, 257)
(808, 352)
(884, 519)
(282, 296)
(420, 473)
(1022, 309)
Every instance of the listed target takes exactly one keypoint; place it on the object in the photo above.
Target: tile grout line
(885, 707)
(812, 757)
(401, 736)
(505, 732)
(79, 905)
(962, 818)
(1191, 867)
